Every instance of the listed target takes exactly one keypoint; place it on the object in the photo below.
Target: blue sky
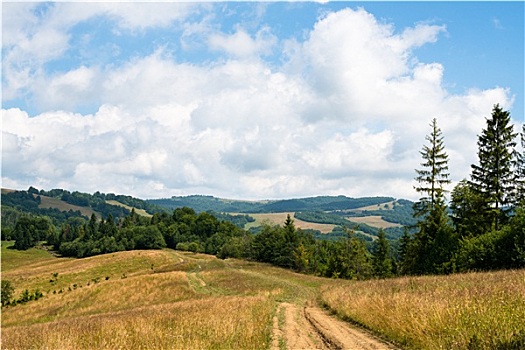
(250, 100)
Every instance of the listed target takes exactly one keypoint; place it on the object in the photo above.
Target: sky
(250, 100)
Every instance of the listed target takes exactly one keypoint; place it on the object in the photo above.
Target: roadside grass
(212, 323)
(463, 311)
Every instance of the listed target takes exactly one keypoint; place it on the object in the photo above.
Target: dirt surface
(309, 327)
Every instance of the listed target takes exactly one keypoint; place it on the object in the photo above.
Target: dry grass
(374, 221)
(141, 212)
(464, 311)
(152, 299)
(178, 300)
(280, 218)
(225, 323)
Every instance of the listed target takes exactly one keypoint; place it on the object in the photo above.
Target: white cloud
(347, 114)
(240, 44)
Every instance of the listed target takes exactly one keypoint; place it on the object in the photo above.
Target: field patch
(280, 218)
(382, 206)
(49, 202)
(141, 212)
(374, 221)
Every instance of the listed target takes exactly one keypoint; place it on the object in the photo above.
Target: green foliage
(29, 231)
(434, 175)
(382, 257)
(493, 178)
(7, 292)
(321, 203)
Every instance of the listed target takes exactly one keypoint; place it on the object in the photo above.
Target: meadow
(167, 299)
(463, 311)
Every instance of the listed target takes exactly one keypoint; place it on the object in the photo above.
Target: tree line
(483, 227)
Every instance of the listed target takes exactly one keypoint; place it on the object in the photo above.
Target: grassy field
(374, 221)
(167, 299)
(146, 299)
(138, 211)
(463, 311)
(280, 218)
(49, 202)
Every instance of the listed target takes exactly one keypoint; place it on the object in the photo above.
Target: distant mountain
(321, 203)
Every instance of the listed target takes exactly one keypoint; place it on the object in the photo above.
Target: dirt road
(296, 327)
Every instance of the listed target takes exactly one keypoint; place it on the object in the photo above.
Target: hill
(323, 214)
(177, 300)
(321, 203)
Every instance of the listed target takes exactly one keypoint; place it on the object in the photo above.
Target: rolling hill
(323, 214)
(168, 299)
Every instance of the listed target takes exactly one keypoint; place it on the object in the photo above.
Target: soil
(311, 327)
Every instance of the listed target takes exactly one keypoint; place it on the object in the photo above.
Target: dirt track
(307, 327)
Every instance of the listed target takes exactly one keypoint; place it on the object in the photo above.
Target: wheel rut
(311, 327)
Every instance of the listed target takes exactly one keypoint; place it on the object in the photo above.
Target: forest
(479, 225)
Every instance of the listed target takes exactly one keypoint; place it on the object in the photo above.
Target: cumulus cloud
(240, 44)
(346, 113)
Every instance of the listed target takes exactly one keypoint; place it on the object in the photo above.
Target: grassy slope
(49, 202)
(147, 299)
(280, 218)
(171, 299)
(138, 211)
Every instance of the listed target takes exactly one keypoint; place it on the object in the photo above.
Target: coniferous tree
(434, 230)
(465, 205)
(493, 178)
(434, 175)
(381, 258)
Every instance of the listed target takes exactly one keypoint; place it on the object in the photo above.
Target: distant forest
(480, 227)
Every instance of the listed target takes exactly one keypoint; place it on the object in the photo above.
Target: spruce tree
(434, 175)
(434, 231)
(493, 178)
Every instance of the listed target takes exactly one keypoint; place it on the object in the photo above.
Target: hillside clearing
(280, 218)
(49, 202)
(141, 212)
(374, 221)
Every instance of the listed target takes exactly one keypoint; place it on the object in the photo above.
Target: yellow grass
(141, 212)
(225, 323)
(374, 221)
(464, 311)
(377, 206)
(166, 299)
(280, 218)
(152, 299)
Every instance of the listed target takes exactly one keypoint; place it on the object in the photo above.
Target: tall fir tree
(493, 177)
(434, 175)
(434, 231)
